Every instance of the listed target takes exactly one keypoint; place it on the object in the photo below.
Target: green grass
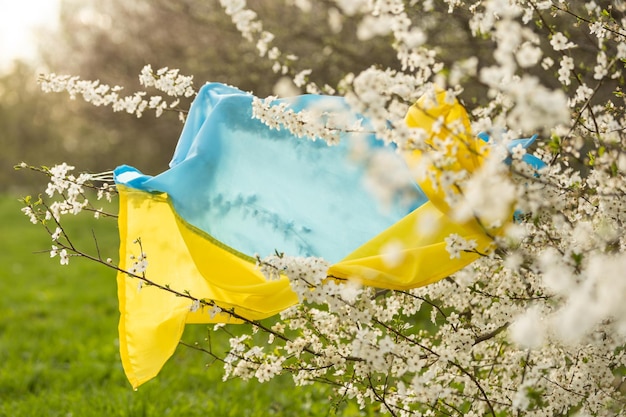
(58, 343)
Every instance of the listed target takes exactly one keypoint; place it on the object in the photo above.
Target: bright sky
(18, 18)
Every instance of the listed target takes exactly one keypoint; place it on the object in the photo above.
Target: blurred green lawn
(58, 343)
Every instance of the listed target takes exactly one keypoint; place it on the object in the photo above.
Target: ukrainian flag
(236, 189)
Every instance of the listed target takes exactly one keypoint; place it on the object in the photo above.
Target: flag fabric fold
(237, 189)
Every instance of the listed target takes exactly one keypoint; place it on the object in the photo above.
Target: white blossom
(455, 244)
(63, 257)
(559, 42)
(529, 330)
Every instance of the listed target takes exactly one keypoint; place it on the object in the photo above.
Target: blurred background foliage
(111, 41)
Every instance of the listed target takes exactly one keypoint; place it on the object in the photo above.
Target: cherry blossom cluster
(326, 121)
(67, 194)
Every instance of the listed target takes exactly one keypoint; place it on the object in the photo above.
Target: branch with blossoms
(168, 81)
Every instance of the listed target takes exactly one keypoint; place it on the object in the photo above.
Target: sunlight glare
(18, 20)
